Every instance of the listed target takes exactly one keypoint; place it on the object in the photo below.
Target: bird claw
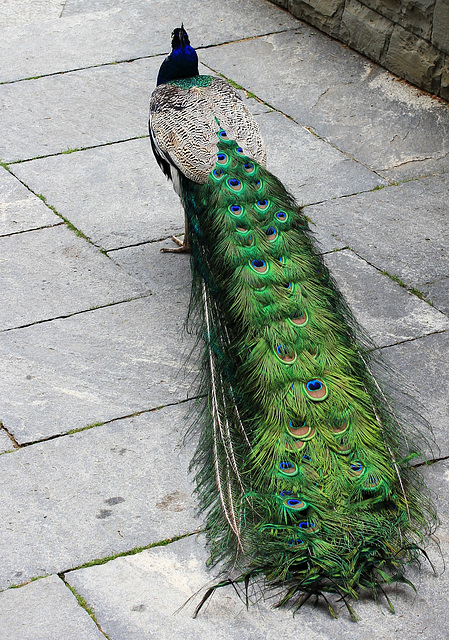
(183, 246)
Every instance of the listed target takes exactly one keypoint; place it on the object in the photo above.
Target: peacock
(304, 466)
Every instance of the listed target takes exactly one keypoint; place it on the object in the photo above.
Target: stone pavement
(95, 497)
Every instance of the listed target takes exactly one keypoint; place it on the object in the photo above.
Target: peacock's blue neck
(181, 63)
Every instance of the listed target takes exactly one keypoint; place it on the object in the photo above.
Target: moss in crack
(83, 603)
(133, 552)
(69, 225)
(86, 428)
(17, 586)
(412, 290)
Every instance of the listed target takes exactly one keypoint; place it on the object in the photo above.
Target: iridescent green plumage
(303, 467)
(316, 484)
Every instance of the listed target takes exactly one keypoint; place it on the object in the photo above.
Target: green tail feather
(303, 468)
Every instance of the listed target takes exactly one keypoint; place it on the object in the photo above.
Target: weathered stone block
(440, 33)
(45, 609)
(324, 14)
(365, 30)
(414, 59)
(444, 90)
(413, 15)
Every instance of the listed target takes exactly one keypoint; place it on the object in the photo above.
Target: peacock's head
(180, 38)
(182, 61)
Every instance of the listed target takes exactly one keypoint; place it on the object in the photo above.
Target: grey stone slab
(95, 366)
(94, 494)
(123, 31)
(309, 167)
(20, 210)
(163, 273)
(52, 272)
(43, 610)
(400, 229)
(388, 313)
(5, 442)
(75, 110)
(21, 12)
(139, 597)
(116, 195)
(424, 365)
(384, 123)
(85, 108)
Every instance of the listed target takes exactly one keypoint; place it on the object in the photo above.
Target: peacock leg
(183, 246)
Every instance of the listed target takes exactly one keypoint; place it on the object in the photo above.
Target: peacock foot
(183, 246)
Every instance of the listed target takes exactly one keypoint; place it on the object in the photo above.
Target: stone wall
(408, 37)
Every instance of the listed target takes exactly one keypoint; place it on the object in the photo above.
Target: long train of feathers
(304, 464)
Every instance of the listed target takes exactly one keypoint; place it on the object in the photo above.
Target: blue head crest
(182, 61)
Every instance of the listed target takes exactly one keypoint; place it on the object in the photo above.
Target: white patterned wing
(183, 124)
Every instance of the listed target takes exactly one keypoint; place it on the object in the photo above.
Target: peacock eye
(357, 468)
(288, 468)
(296, 542)
(218, 173)
(222, 158)
(271, 233)
(299, 317)
(235, 184)
(248, 166)
(239, 150)
(262, 205)
(235, 209)
(307, 524)
(316, 390)
(281, 215)
(294, 503)
(223, 135)
(285, 354)
(257, 183)
(371, 482)
(260, 266)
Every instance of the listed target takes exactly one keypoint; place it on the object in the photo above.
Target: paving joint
(412, 339)
(131, 552)
(428, 463)
(10, 436)
(77, 313)
(83, 604)
(412, 290)
(137, 58)
(45, 226)
(69, 151)
(145, 242)
(67, 222)
(56, 436)
(250, 94)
